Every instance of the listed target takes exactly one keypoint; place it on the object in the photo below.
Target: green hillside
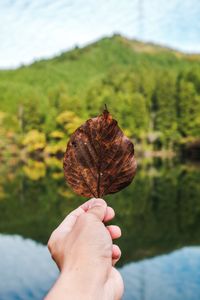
(154, 92)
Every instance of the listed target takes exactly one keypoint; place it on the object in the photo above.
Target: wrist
(80, 284)
(75, 285)
(86, 272)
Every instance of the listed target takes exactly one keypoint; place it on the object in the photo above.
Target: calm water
(159, 215)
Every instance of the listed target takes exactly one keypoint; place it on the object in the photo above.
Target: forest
(152, 91)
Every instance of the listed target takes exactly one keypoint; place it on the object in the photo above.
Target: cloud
(31, 30)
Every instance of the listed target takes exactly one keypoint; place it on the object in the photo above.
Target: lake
(159, 214)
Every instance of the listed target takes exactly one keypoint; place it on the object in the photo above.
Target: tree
(188, 109)
(164, 108)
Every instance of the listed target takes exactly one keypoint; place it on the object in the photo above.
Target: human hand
(83, 250)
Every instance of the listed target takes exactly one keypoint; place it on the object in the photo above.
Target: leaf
(99, 159)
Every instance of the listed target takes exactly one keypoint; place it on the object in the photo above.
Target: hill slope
(152, 90)
(79, 68)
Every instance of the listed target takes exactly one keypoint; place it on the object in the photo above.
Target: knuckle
(52, 241)
(52, 249)
(49, 245)
(55, 245)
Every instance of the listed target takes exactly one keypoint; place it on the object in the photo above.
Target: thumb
(98, 207)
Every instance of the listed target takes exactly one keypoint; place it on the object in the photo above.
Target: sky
(35, 29)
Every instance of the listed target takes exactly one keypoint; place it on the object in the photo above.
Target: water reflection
(27, 272)
(175, 276)
(158, 213)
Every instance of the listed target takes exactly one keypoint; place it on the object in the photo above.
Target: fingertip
(110, 214)
(92, 203)
(97, 207)
(115, 231)
(97, 201)
(116, 254)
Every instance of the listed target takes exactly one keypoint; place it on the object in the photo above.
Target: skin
(82, 247)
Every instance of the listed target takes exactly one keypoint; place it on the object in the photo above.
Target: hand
(82, 248)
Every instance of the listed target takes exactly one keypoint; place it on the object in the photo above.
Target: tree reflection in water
(158, 213)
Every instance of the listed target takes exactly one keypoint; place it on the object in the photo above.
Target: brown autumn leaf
(99, 159)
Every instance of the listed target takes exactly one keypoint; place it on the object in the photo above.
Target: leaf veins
(99, 159)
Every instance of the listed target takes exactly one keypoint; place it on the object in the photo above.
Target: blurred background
(60, 62)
